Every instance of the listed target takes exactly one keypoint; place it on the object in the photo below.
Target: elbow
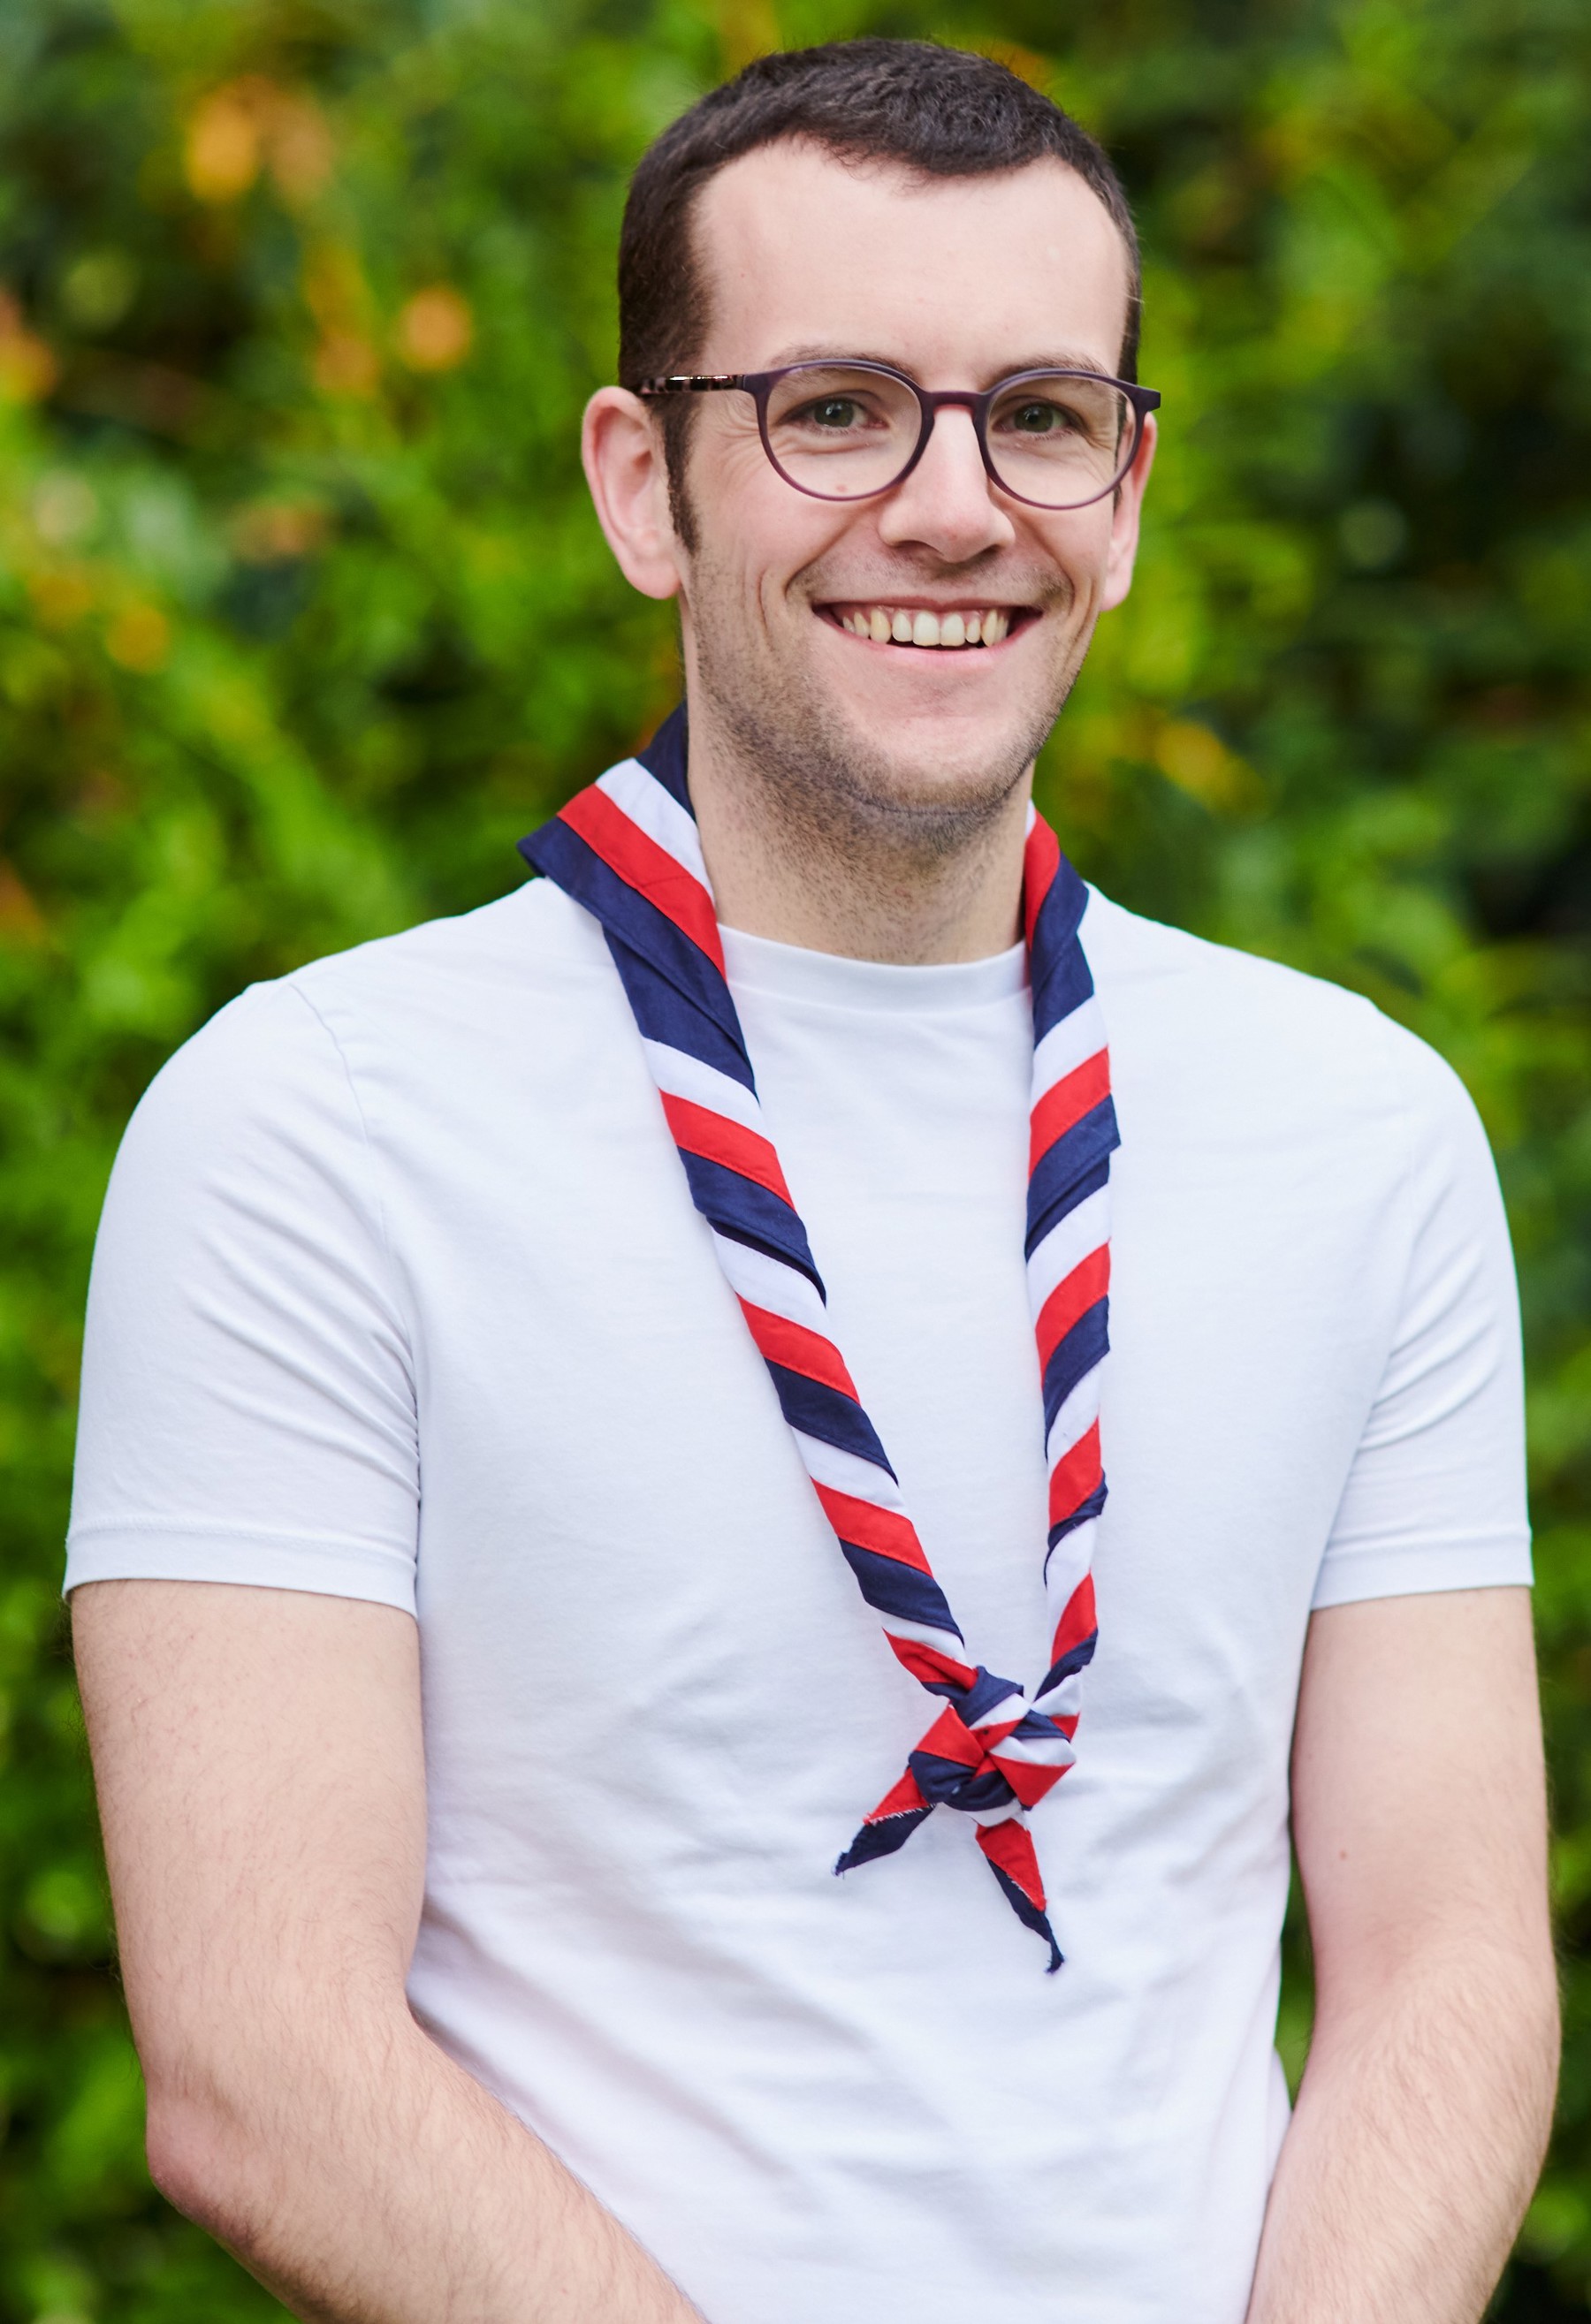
(200, 2160)
(1524, 2010)
(1546, 2020)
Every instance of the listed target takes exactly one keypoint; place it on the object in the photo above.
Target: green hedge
(303, 619)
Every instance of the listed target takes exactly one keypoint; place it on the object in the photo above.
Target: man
(489, 1965)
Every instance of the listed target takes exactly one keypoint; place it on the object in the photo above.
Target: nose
(948, 504)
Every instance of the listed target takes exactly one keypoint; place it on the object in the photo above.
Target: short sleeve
(1436, 1496)
(248, 1409)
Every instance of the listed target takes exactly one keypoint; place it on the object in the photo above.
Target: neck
(868, 879)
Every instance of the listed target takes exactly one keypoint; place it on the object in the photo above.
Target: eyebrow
(1069, 360)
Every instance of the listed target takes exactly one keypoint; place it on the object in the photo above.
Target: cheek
(759, 537)
(1079, 544)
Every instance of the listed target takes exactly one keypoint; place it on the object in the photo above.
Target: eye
(835, 411)
(1038, 419)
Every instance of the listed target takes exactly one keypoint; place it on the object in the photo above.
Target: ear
(622, 448)
(1123, 529)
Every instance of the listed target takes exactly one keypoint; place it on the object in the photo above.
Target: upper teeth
(915, 626)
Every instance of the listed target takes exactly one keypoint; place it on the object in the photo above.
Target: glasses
(848, 430)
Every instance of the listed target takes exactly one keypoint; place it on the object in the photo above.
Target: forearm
(1419, 2130)
(366, 2179)
(261, 1771)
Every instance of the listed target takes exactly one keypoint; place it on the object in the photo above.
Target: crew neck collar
(831, 980)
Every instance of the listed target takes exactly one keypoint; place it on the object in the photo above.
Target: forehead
(803, 253)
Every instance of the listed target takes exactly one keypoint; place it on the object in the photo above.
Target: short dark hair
(932, 111)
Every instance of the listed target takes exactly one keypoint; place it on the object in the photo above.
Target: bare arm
(262, 1787)
(1419, 1814)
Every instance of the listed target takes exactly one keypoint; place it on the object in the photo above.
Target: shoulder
(533, 941)
(1255, 1020)
(400, 996)
(310, 1065)
(1138, 960)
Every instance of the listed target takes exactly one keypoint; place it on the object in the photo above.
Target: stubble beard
(831, 787)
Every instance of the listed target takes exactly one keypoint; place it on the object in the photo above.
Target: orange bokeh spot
(435, 329)
(226, 131)
(347, 364)
(28, 369)
(250, 124)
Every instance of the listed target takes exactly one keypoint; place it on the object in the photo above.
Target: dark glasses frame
(931, 403)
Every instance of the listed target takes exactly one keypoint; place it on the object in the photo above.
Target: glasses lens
(1061, 439)
(841, 432)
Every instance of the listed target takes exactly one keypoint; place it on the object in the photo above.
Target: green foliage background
(303, 619)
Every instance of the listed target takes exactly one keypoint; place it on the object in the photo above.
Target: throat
(809, 853)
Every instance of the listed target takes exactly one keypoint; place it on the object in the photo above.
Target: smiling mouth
(957, 626)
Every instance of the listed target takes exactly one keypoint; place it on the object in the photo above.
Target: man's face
(956, 282)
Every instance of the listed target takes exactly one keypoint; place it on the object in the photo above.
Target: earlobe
(623, 453)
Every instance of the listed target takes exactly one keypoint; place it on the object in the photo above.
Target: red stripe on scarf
(1030, 1779)
(1072, 1298)
(1040, 863)
(930, 1664)
(885, 1531)
(641, 863)
(1078, 1621)
(1065, 1103)
(781, 1342)
(949, 1738)
(715, 1138)
(906, 1799)
(1074, 1476)
(1010, 1845)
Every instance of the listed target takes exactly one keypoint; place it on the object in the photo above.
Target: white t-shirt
(399, 1295)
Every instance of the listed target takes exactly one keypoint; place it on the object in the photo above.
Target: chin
(942, 752)
(940, 724)
(932, 767)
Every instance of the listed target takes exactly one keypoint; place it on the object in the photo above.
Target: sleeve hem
(177, 1553)
(1419, 1569)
